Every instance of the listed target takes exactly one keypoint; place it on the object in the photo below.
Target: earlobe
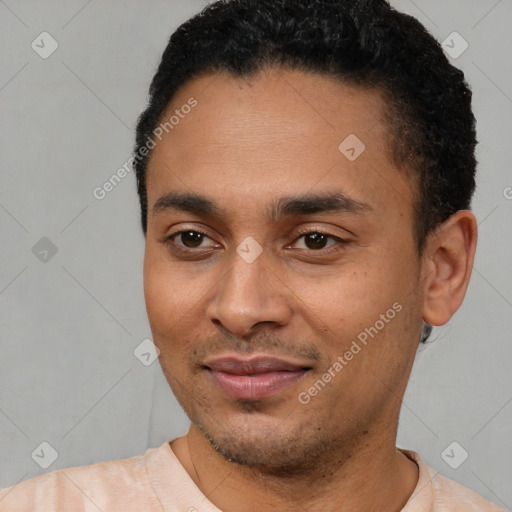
(447, 265)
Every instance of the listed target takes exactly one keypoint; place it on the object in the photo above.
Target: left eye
(316, 241)
(193, 239)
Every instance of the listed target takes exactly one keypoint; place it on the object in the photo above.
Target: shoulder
(102, 486)
(440, 494)
(450, 495)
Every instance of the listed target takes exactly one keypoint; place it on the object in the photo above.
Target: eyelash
(168, 240)
(333, 248)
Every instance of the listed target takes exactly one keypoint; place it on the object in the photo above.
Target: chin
(267, 443)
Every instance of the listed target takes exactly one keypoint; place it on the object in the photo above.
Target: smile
(254, 379)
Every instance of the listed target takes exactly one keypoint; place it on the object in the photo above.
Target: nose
(249, 294)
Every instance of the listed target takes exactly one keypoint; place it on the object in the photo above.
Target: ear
(446, 267)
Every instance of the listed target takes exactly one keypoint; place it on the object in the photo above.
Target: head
(305, 171)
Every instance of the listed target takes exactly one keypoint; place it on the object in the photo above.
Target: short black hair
(365, 43)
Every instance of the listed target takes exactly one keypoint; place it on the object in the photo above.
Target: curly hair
(364, 43)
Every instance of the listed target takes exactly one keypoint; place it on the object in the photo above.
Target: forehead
(279, 132)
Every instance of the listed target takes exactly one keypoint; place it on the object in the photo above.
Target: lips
(256, 378)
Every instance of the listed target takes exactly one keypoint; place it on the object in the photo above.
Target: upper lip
(254, 365)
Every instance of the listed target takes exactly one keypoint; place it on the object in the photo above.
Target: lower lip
(256, 386)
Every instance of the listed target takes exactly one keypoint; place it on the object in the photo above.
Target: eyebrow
(306, 204)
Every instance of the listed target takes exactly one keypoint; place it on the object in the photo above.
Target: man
(305, 169)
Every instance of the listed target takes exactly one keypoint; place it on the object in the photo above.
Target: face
(280, 273)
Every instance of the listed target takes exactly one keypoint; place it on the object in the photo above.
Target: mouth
(255, 378)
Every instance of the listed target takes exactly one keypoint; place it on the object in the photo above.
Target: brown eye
(191, 238)
(315, 240)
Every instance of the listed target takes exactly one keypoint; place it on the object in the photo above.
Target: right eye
(189, 239)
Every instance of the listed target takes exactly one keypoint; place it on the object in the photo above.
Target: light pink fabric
(156, 481)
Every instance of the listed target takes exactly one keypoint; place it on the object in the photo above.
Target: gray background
(69, 324)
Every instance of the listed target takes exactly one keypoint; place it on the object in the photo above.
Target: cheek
(173, 296)
(345, 302)
(160, 292)
(166, 314)
(344, 295)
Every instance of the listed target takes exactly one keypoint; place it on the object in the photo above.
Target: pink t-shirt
(156, 481)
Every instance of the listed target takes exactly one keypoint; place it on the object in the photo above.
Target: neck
(370, 475)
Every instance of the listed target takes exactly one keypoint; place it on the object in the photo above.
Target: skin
(247, 143)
